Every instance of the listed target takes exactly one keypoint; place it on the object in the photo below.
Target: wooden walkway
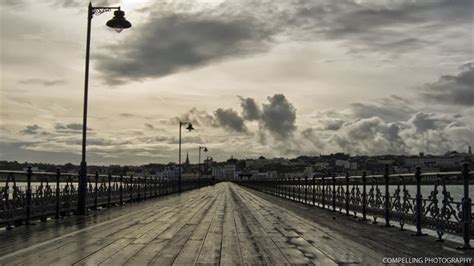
(225, 224)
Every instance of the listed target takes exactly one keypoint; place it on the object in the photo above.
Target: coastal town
(271, 168)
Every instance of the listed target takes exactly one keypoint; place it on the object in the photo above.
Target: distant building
(229, 171)
(433, 161)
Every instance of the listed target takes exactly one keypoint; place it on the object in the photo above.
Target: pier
(256, 222)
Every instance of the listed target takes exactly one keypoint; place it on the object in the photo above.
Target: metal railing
(437, 201)
(26, 196)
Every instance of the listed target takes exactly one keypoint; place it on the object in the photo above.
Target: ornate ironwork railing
(437, 201)
(26, 196)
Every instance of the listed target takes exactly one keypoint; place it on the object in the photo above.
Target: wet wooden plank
(124, 254)
(193, 246)
(145, 255)
(211, 248)
(181, 232)
(104, 253)
(254, 238)
(231, 253)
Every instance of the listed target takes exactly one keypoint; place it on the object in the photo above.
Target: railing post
(146, 186)
(387, 198)
(288, 191)
(334, 192)
(418, 202)
(466, 209)
(294, 189)
(314, 191)
(323, 192)
(160, 186)
(347, 194)
(121, 189)
(364, 196)
(305, 189)
(299, 189)
(130, 182)
(109, 190)
(29, 174)
(139, 187)
(58, 191)
(156, 186)
(96, 189)
(275, 186)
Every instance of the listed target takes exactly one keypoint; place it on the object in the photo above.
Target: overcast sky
(272, 78)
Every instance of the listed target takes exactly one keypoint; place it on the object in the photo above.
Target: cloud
(332, 124)
(170, 43)
(78, 3)
(31, 130)
(72, 127)
(127, 115)
(278, 117)
(196, 117)
(433, 133)
(183, 36)
(386, 27)
(391, 109)
(230, 119)
(42, 82)
(11, 3)
(250, 109)
(426, 121)
(149, 126)
(453, 89)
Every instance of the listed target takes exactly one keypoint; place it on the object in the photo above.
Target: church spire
(187, 159)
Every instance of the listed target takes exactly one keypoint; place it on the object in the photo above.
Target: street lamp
(189, 128)
(118, 22)
(200, 168)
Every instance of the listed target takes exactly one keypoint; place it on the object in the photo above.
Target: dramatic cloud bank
(453, 90)
(178, 37)
(176, 42)
(230, 119)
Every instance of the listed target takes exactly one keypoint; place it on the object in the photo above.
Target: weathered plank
(231, 253)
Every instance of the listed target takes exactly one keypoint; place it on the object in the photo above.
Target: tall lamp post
(118, 22)
(200, 168)
(189, 128)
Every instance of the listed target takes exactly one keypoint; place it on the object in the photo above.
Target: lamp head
(190, 127)
(205, 149)
(118, 22)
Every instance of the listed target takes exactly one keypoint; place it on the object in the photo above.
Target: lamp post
(118, 22)
(189, 128)
(200, 168)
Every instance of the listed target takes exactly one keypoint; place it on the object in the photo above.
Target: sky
(256, 78)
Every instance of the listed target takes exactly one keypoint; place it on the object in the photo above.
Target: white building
(433, 161)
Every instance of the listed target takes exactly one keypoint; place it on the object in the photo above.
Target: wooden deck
(225, 224)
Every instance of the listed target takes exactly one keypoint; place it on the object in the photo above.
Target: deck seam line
(235, 224)
(263, 229)
(202, 206)
(207, 232)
